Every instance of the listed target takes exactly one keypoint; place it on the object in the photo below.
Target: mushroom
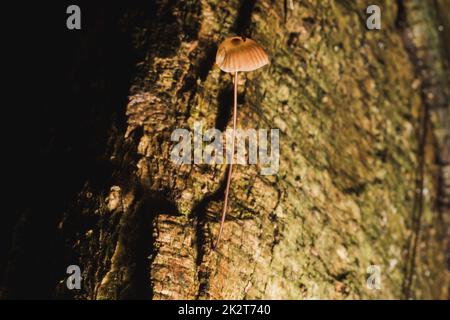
(237, 54)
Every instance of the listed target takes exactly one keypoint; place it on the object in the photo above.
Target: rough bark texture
(364, 173)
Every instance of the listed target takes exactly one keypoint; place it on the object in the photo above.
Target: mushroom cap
(240, 54)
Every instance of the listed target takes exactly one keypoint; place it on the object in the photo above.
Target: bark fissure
(425, 51)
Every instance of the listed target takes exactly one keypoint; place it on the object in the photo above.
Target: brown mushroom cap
(240, 54)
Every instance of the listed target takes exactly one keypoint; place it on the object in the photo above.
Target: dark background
(65, 90)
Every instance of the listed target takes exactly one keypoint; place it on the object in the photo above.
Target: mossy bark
(364, 157)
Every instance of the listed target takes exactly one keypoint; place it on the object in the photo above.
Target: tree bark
(364, 171)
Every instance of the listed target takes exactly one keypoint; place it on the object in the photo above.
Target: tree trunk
(364, 176)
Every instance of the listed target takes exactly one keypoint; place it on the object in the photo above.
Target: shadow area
(72, 88)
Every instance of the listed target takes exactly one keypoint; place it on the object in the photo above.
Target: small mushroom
(237, 54)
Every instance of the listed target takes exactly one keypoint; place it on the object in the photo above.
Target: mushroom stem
(230, 169)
